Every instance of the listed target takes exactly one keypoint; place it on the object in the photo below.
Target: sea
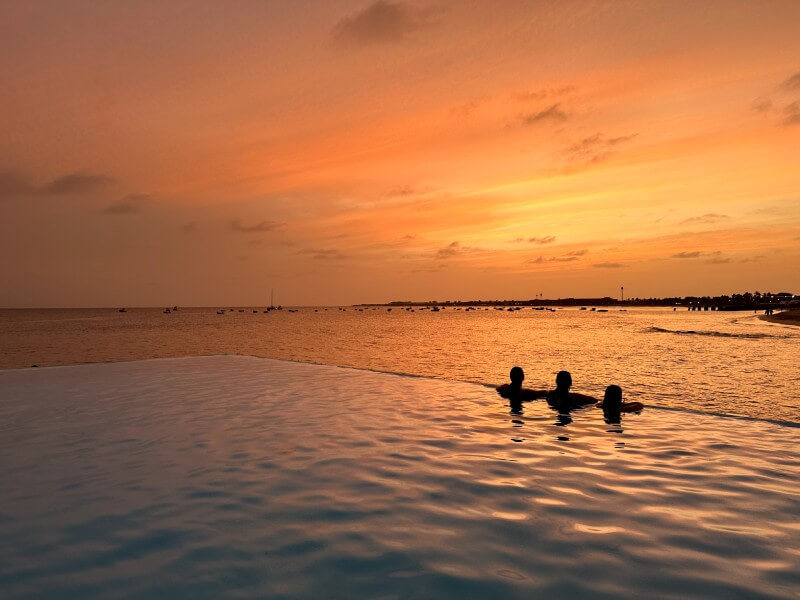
(724, 363)
(341, 452)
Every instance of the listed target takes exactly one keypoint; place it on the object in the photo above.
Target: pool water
(241, 477)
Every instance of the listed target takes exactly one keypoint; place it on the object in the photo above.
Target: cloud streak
(382, 22)
(568, 257)
(543, 93)
(131, 204)
(261, 227)
(706, 219)
(552, 113)
(694, 254)
(793, 83)
(323, 253)
(596, 147)
(548, 239)
(79, 182)
(451, 249)
(791, 114)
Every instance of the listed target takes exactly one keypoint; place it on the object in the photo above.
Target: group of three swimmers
(562, 400)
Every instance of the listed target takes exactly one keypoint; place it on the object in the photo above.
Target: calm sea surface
(722, 363)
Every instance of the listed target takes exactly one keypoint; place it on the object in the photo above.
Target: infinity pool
(238, 477)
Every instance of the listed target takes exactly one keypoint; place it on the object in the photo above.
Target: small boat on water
(602, 310)
(167, 311)
(123, 310)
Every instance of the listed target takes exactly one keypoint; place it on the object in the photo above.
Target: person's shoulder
(631, 407)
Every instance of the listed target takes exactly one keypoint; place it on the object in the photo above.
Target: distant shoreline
(787, 317)
(678, 304)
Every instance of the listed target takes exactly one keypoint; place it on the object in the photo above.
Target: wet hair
(563, 379)
(517, 375)
(612, 400)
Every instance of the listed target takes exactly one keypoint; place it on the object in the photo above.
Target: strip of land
(787, 317)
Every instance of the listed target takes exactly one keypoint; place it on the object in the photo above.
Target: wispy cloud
(189, 228)
(596, 147)
(402, 191)
(706, 219)
(77, 183)
(323, 253)
(543, 93)
(568, 257)
(548, 239)
(791, 114)
(695, 254)
(457, 249)
(541, 259)
(551, 113)
(467, 109)
(762, 105)
(757, 258)
(719, 260)
(793, 83)
(380, 23)
(261, 227)
(131, 204)
(608, 265)
(451, 249)
(80, 182)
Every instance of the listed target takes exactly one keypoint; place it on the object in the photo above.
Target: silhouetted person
(562, 399)
(613, 406)
(515, 393)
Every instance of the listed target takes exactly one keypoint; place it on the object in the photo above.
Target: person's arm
(526, 394)
(631, 407)
(503, 390)
(581, 399)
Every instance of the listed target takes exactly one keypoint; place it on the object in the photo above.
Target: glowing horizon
(346, 152)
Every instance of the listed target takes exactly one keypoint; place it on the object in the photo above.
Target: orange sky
(201, 153)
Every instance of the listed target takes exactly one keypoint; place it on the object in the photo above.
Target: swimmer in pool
(515, 393)
(613, 406)
(562, 399)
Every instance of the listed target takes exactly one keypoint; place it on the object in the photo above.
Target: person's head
(563, 380)
(612, 401)
(517, 376)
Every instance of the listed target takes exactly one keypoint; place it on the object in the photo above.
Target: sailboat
(271, 306)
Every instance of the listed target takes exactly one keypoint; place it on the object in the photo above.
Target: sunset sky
(201, 153)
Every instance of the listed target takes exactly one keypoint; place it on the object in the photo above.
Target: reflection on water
(748, 369)
(249, 478)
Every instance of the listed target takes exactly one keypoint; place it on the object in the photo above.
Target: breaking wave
(725, 334)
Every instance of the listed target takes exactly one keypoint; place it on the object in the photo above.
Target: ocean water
(241, 477)
(709, 362)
